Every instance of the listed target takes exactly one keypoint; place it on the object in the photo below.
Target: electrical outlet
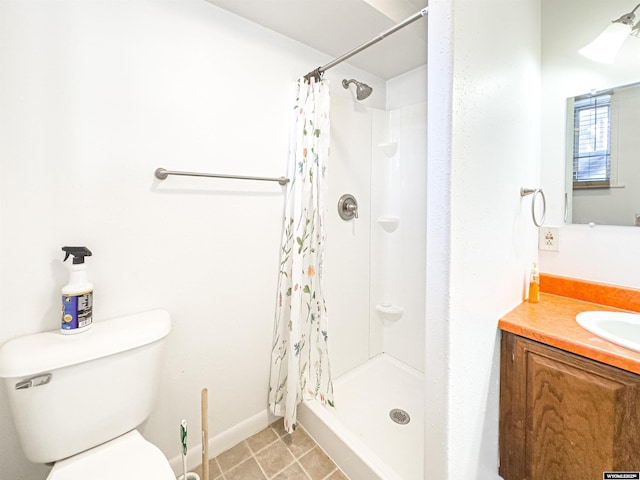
(549, 238)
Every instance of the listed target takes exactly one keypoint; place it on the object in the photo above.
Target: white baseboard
(224, 440)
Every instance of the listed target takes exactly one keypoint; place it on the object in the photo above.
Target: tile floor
(274, 454)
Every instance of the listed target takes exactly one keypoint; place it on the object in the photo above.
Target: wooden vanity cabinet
(564, 416)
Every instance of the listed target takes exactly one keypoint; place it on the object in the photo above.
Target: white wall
(405, 339)
(483, 146)
(94, 96)
(348, 242)
(407, 89)
(399, 190)
(584, 252)
(365, 265)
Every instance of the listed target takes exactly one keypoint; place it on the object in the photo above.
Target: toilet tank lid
(47, 351)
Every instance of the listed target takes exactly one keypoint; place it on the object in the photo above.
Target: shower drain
(399, 416)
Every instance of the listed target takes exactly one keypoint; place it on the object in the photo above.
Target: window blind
(592, 142)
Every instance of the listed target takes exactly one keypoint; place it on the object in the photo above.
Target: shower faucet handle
(347, 207)
(352, 207)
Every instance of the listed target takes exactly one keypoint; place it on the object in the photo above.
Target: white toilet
(77, 399)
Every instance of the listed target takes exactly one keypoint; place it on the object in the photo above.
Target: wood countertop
(552, 321)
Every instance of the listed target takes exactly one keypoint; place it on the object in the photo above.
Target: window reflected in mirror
(592, 141)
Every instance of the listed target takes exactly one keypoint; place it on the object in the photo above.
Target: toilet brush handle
(205, 433)
(183, 441)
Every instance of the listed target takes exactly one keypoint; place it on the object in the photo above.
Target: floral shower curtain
(299, 357)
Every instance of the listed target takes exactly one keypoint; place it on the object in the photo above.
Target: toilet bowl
(128, 457)
(76, 400)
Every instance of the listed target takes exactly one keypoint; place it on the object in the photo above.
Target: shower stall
(374, 272)
(375, 286)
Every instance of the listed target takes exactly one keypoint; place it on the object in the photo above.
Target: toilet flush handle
(34, 381)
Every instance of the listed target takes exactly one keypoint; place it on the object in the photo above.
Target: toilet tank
(69, 393)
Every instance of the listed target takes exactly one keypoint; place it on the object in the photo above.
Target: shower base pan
(376, 430)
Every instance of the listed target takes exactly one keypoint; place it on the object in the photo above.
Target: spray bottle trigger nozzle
(78, 253)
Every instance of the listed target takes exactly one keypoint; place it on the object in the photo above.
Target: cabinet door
(564, 416)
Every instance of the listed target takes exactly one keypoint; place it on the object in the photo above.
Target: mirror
(566, 27)
(602, 159)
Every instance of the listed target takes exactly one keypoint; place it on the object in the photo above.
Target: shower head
(362, 89)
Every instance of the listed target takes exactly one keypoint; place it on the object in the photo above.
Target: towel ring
(535, 191)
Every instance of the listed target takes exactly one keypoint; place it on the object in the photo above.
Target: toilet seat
(128, 457)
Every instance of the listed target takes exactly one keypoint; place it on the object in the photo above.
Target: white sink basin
(617, 327)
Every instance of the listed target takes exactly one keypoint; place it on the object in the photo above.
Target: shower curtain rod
(317, 73)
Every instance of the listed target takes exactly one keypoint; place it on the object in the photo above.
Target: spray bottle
(77, 295)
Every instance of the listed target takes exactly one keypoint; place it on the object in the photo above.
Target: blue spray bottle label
(77, 295)
(77, 310)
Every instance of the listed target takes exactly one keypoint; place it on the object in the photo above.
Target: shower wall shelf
(390, 313)
(389, 148)
(389, 224)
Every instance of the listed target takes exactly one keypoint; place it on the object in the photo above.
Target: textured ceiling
(336, 27)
